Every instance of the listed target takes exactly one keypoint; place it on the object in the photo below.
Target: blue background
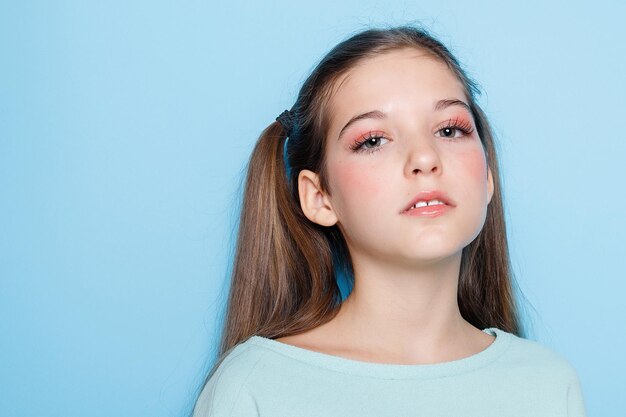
(124, 133)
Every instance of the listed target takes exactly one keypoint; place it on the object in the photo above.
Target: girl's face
(419, 144)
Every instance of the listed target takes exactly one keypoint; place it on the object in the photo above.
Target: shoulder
(534, 357)
(226, 392)
(550, 370)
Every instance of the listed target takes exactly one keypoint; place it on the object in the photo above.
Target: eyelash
(456, 124)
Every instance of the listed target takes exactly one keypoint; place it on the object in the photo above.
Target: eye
(454, 126)
(369, 143)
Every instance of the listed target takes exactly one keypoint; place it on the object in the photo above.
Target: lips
(430, 195)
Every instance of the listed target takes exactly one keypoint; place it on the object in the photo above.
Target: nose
(423, 158)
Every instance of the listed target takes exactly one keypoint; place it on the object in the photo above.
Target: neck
(406, 311)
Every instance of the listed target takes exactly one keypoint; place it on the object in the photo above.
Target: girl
(384, 170)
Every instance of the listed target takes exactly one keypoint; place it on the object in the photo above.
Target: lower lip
(429, 211)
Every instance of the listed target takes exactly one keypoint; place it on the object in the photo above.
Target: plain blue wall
(124, 131)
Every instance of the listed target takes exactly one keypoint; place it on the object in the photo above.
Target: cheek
(357, 183)
(475, 165)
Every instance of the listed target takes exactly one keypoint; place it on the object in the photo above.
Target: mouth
(429, 201)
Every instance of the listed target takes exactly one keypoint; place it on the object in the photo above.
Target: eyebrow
(377, 114)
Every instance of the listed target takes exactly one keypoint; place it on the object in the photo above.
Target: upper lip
(430, 195)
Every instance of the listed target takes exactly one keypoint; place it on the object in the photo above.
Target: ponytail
(283, 280)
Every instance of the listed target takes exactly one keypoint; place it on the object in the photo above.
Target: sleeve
(575, 402)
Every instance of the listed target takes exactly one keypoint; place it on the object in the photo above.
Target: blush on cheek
(476, 165)
(357, 182)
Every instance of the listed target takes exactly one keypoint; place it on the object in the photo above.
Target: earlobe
(314, 203)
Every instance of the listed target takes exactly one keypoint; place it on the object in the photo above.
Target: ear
(490, 186)
(315, 204)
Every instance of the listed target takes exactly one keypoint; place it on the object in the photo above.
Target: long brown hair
(284, 279)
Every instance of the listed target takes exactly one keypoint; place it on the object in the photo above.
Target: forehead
(392, 79)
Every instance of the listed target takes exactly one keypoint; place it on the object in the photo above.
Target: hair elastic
(286, 119)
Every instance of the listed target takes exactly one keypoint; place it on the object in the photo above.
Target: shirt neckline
(391, 371)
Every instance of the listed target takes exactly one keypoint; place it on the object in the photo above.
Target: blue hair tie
(285, 160)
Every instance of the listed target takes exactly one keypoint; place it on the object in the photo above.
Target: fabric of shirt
(513, 376)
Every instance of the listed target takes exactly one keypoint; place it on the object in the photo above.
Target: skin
(403, 308)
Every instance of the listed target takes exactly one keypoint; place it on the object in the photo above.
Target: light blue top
(511, 377)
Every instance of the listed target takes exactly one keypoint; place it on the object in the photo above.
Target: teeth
(428, 203)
